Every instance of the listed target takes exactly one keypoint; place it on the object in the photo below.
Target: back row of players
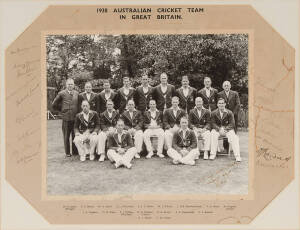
(177, 117)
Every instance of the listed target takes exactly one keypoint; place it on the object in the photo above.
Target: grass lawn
(69, 176)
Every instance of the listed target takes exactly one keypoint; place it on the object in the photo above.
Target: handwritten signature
(269, 156)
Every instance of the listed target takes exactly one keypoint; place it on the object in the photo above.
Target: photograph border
(150, 197)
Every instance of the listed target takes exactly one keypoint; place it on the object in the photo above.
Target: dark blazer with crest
(189, 142)
(93, 101)
(170, 120)
(81, 125)
(101, 102)
(227, 120)
(158, 118)
(67, 104)
(158, 96)
(141, 99)
(136, 122)
(199, 122)
(209, 102)
(232, 101)
(188, 102)
(126, 141)
(122, 99)
(106, 121)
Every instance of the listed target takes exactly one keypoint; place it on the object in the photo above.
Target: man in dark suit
(153, 125)
(163, 93)
(124, 94)
(143, 94)
(186, 95)
(120, 147)
(209, 95)
(86, 128)
(106, 94)
(66, 102)
(88, 95)
(232, 101)
(108, 121)
(199, 120)
(133, 120)
(184, 146)
(171, 121)
(222, 122)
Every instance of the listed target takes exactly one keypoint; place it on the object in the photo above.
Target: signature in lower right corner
(269, 156)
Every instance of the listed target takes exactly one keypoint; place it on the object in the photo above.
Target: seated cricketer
(153, 125)
(222, 121)
(86, 128)
(199, 121)
(133, 120)
(120, 147)
(184, 147)
(171, 120)
(108, 121)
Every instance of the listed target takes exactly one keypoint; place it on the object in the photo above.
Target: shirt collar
(181, 130)
(123, 132)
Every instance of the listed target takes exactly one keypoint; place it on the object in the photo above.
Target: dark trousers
(68, 130)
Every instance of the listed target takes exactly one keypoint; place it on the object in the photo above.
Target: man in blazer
(86, 128)
(222, 121)
(120, 147)
(153, 127)
(143, 94)
(163, 93)
(89, 96)
(184, 146)
(133, 120)
(108, 122)
(232, 101)
(124, 94)
(209, 95)
(199, 120)
(106, 94)
(171, 121)
(186, 95)
(66, 102)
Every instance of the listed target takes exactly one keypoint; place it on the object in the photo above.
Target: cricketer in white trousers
(206, 137)
(102, 137)
(169, 133)
(83, 141)
(159, 132)
(125, 158)
(233, 139)
(138, 139)
(188, 159)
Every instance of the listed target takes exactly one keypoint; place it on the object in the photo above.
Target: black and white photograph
(147, 114)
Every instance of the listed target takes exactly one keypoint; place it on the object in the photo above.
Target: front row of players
(181, 137)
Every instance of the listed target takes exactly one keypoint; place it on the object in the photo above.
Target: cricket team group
(174, 122)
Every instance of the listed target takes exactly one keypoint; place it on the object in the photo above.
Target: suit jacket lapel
(218, 115)
(202, 113)
(91, 115)
(116, 138)
(204, 93)
(171, 111)
(81, 117)
(196, 113)
(134, 114)
(126, 113)
(92, 96)
(230, 95)
(224, 115)
(123, 137)
(148, 114)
